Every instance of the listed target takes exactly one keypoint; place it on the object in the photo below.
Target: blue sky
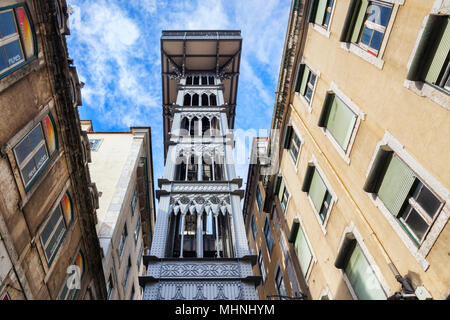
(116, 48)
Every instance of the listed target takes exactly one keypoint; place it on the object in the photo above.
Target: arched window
(218, 168)
(189, 236)
(195, 99)
(205, 81)
(18, 40)
(194, 126)
(189, 80)
(212, 100)
(211, 80)
(205, 126)
(192, 174)
(207, 167)
(196, 80)
(209, 235)
(187, 100)
(180, 168)
(215, 127)
(184, 127)
(205, 100)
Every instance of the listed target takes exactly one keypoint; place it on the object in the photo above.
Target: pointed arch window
(212, 100)
(209, 235)
(211, 80)
(192, 173)
(194, 126)
(189, 80)
(196, 80)
(207, 168)
(204, 80)
(195, 99)
(184, 126)
(205, 100)
(180, 168)
(187, 100)
(205, 126)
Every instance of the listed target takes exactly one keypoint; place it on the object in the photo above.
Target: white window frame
(419, 253)
(359, 117)
(288, 199)
(307, 103)
(424, 89)
(300, 137)
(377, 61)
(351, 228)
(325, 30)
(313, 259)
(334, 198)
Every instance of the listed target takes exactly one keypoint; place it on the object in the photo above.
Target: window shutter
(303, 251)
(350, 20)
(359, 20)
(424, 53)
(288, 137)
(344, 252)
(308, 176)
(294, 230)
(281, 189)
(313, 11)
(300, 69)
(378, 169)
(440, 55)
(317, 190)
(304, 80)
(396, 184)
(320, 12)
(340, 123)
(276, 186)
(329, 97)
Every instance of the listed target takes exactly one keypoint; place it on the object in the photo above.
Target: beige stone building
(122, 170)
(48, 244)
(362, 116)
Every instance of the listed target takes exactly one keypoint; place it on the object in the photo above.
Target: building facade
(199, 248)
(361, 123)
(49, 247)
(122, 169)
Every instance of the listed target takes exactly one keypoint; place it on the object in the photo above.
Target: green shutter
(329, 97)
(396, 184)
(288, 137)
(281, 189)
(350, 20)
(294, 230)
(378, 169)
(341, 122)
(300, 69)
(303, 251)
(313, 10)
(359, 20)
(425, 50)
(320, 12)
(304, 80)
(308, 177)
(317, 190)
(439, 56)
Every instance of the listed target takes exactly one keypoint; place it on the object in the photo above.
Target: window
(35, 150)
(109, 286)
(126, 275)
(137, 230)
(318, 193)
(431, 62)
(304, 254)
(282, 192)
(55, 228)
(254, 230)
(17, 43)
(122, 240)
(75, 285)
(139, 260)
(94, 144)
(262, 268)
(292, 142)
(320, 12)
(134, 201)
(305, 82)
(268, 236)
(259, 197)
(338, 119)
(359, 274)
(366, 24)
(414, 205)
(279, 283)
